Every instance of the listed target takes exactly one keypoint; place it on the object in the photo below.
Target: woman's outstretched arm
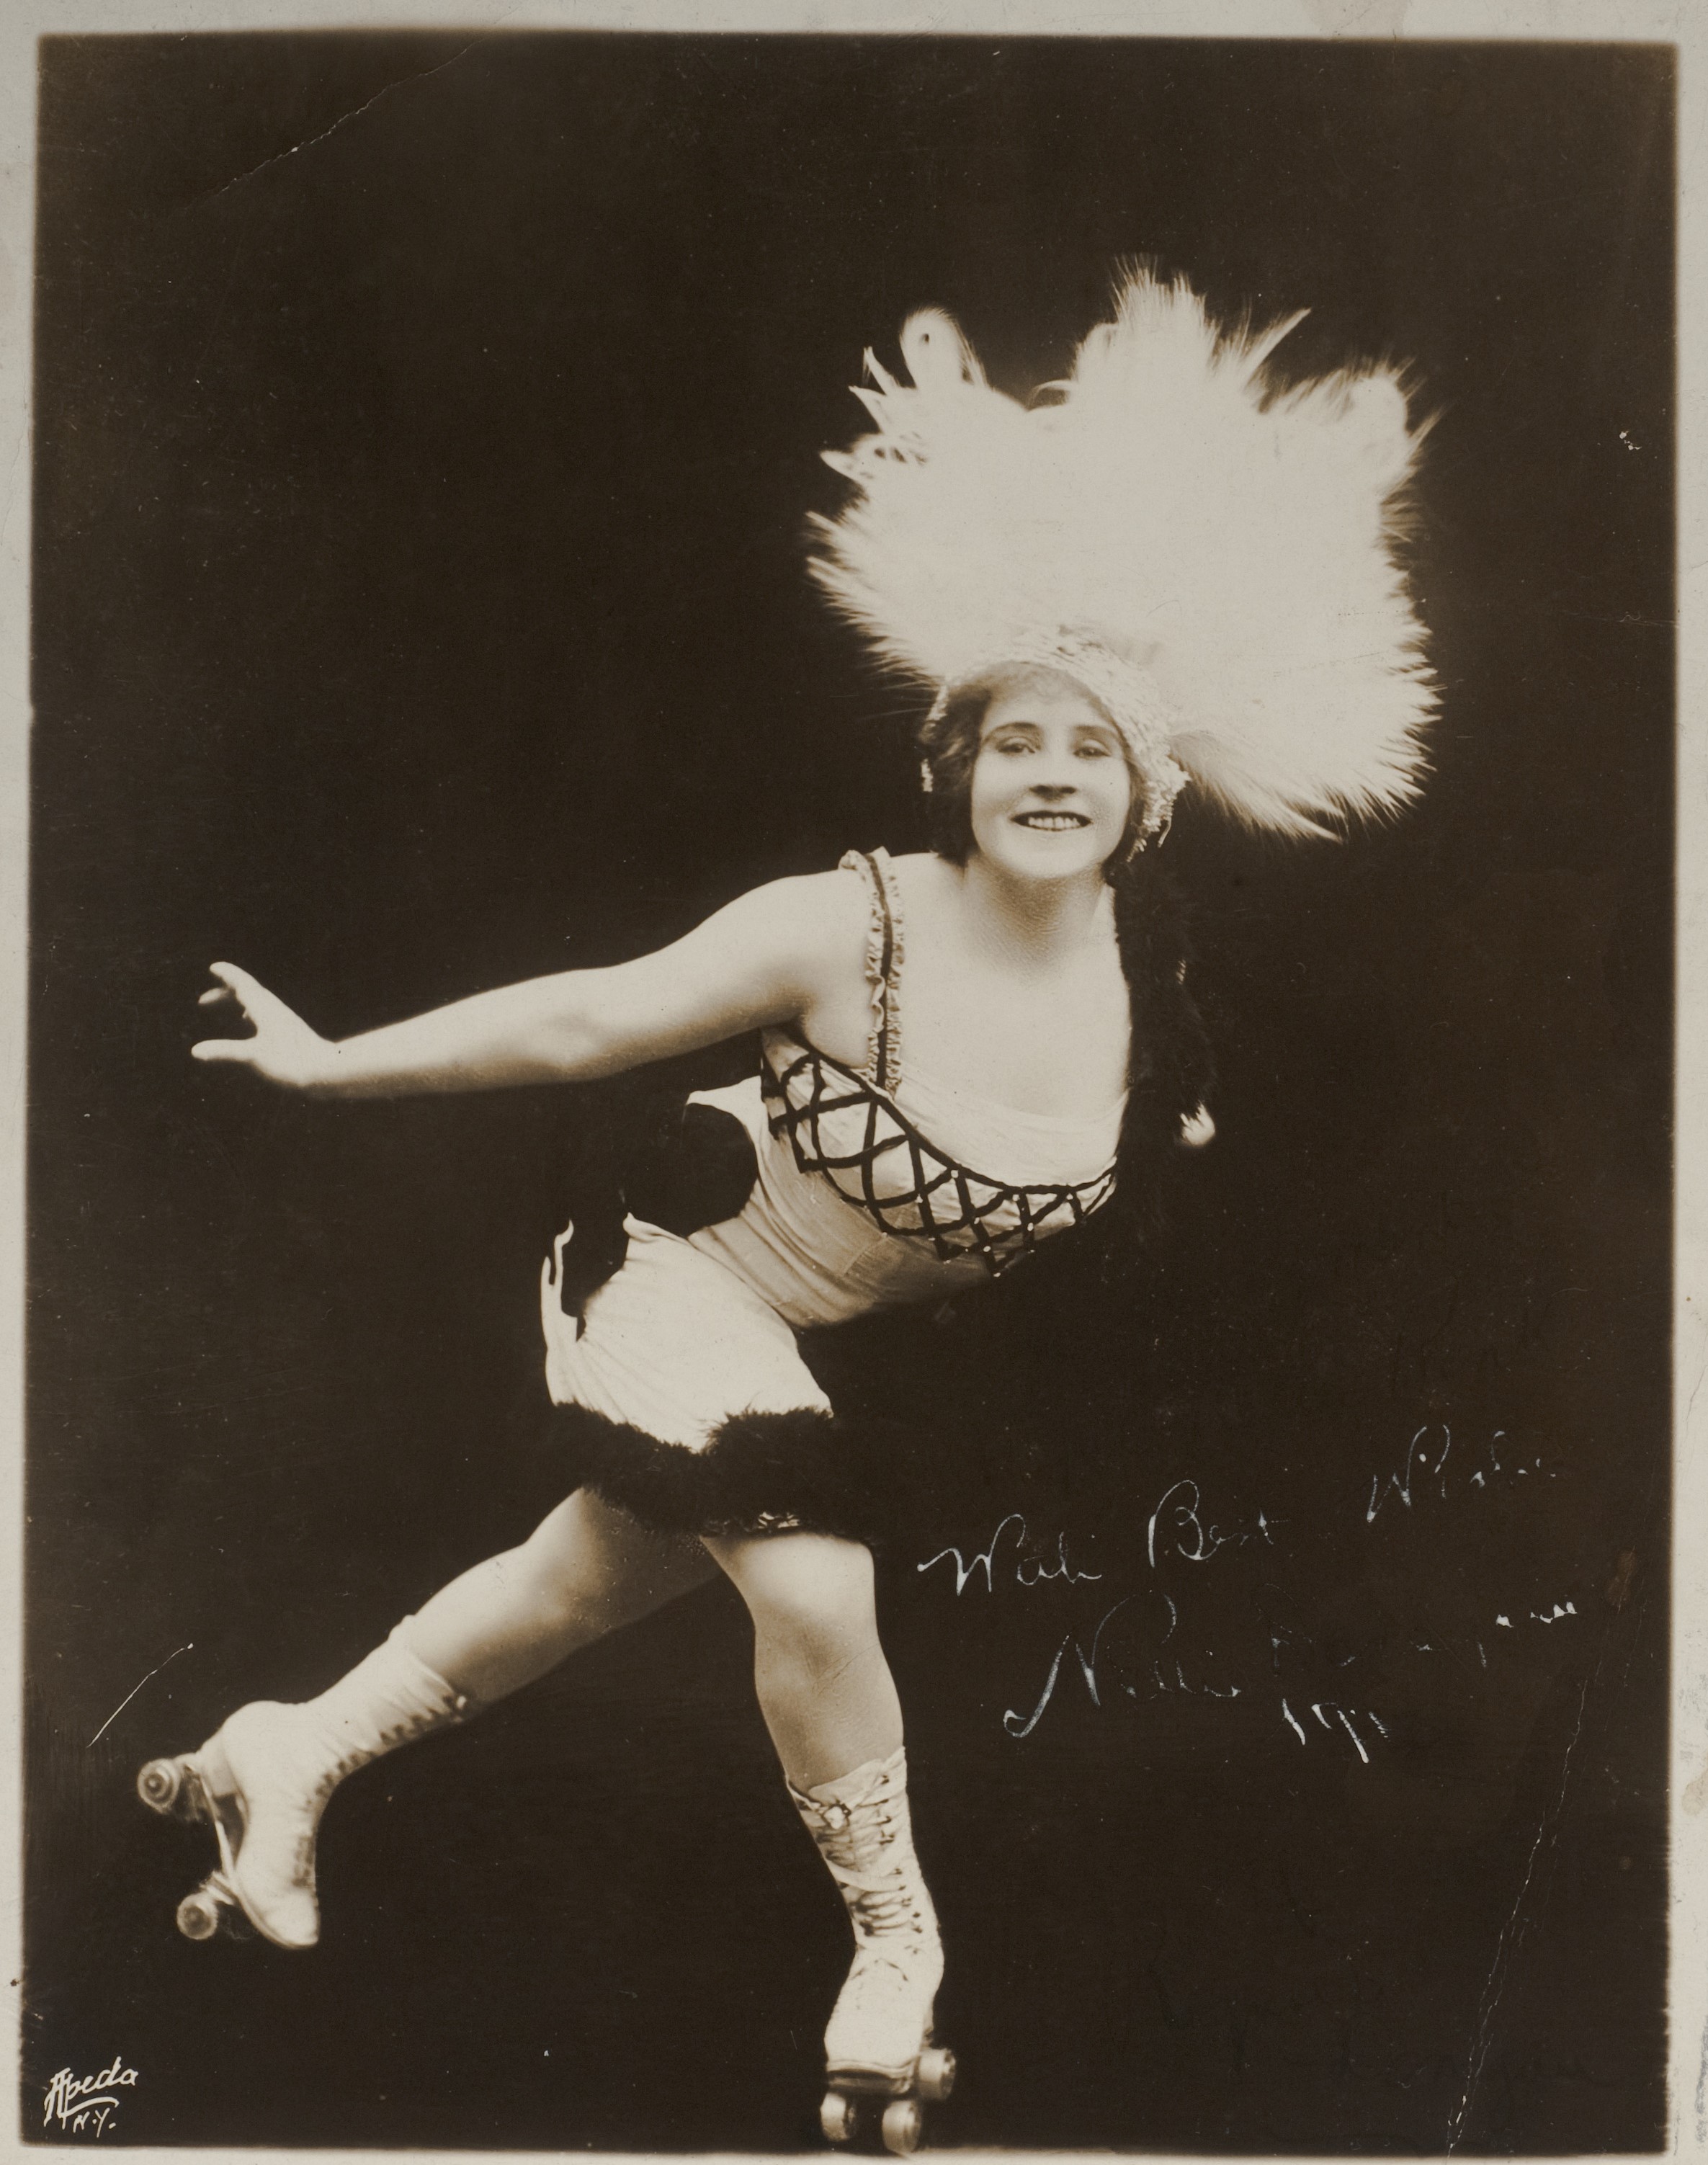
(763, 958)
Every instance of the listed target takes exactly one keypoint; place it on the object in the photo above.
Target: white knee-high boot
(267, 1775)
(882, 2020)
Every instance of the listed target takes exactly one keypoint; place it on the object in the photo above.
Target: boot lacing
(349, 1759)
(886, 1906)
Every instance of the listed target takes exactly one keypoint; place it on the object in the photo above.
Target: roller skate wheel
(161, 1784)
(903, 2125)
(838, 2117)
(937, 2073)
(198, 1915)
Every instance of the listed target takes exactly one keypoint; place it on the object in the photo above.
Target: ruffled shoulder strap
(883, 965)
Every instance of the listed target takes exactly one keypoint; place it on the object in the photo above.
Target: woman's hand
(283, 1048)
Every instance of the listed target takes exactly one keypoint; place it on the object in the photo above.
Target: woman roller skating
(1173, 573)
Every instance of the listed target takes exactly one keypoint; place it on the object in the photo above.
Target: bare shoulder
(811, 927)
(807, 939)
(923, 867)
(924, 881)
(810, 906)
(773, 956)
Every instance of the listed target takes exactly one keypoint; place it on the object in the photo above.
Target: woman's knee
(810, 1590)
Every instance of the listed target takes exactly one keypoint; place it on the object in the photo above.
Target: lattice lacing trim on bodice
(958, 1211)
(953, 1207)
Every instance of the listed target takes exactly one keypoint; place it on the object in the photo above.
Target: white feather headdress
(1212, 561)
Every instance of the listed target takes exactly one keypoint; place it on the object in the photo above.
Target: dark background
(425, 428)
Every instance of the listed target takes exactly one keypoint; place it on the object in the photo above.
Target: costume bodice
(882, 1185)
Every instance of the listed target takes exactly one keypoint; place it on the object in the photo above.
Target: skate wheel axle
(170, 1787)
(838, 2117)
(903, 2126)
(936, 2076)
(198, 1914)
(211, 1908)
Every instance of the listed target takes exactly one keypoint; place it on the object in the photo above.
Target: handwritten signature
(1161, 1674)
(86, 2103)
(1419, 1473)
(1129, 1655)
(1178, 1520)
(1028, 1571)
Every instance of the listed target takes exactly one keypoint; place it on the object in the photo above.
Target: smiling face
(1051, 788)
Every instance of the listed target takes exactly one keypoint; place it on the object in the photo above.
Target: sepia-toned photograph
(851, 1063)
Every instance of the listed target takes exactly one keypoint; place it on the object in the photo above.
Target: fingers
(258, 1004)
(279, 1050)
(236, 986)
(235, 983)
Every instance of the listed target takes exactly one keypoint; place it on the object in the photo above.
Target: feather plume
(1215, 562)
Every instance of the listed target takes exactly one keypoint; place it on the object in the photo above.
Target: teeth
(1053, 822)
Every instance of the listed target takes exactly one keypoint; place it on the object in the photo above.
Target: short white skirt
(674, 1344)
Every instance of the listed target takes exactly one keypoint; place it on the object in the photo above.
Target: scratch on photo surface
(343, 121)
(1510, 1933)
(131, 1694)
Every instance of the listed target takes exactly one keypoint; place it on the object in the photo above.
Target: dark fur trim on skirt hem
(804, 1472)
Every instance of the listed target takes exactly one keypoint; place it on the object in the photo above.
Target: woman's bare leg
(587, 1569)
(824, 1687)
(268, 1772)
(830, 1703)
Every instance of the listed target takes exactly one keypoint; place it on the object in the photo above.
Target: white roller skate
(881, 2065)
(262, 1781)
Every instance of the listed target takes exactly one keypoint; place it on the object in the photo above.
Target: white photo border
(1682, 25)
